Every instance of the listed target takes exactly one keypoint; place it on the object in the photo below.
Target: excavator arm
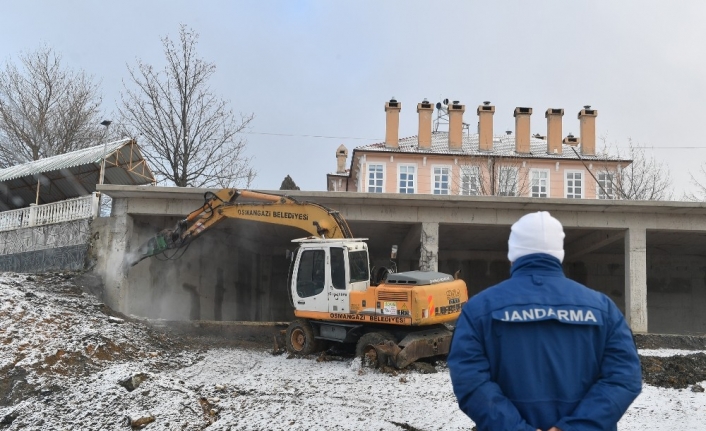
(310, 217)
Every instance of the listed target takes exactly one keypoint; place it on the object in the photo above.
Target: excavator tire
(300, 338)
(366, 353)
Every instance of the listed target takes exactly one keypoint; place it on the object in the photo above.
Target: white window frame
(414, 178)
(472, 173)
(449, 173)
(546, 186)
(566, 183)
(607, 185)
(367, 176)
(516, 171)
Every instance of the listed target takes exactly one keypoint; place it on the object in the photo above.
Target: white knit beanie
(536, 233)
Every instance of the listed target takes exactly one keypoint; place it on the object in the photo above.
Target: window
(376, 177)
(470, 180)
(311, 276)
(604, 189)
(507, 181)
(338, 268)
(407, 178)
(442, 178)
(359, 266)
(540, 183)
(574, 185)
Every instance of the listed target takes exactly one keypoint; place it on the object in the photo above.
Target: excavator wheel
(300, 338)
(366, 351)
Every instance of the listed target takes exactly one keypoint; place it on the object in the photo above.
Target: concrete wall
(55, 247)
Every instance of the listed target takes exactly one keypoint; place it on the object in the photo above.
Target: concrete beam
(636, 278)
(591, 242)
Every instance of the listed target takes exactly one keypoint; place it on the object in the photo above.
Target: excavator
(393, 319)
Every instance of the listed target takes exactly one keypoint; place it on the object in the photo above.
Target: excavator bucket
(417, 345)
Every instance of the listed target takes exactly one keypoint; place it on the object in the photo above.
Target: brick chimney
(392, 123)
(341, 156)
(522, 129)
(456, 111)
(425, 110)
(485, 126)
(587, 123)
(554, 130)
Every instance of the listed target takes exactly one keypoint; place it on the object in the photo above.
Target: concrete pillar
(429, 254)
(636, 279)
(115, 272)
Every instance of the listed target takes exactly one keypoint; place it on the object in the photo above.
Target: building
(457, 162)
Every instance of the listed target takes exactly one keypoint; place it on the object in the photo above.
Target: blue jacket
(540, 350)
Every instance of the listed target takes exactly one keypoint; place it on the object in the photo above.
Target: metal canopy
(73, 174)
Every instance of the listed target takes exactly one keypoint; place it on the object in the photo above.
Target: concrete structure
(647, 256)
(481, 164)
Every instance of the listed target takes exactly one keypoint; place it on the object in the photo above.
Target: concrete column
(429, 254)
(113, 241)
(636, 279)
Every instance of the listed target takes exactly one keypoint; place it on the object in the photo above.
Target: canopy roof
(73, 174)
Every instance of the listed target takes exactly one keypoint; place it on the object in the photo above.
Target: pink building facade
(457, 162)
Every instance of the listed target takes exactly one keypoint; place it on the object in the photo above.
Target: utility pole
(105, 123)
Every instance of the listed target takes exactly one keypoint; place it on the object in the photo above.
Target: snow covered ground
(63, 356)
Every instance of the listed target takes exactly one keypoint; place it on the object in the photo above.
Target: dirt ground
(53, 334)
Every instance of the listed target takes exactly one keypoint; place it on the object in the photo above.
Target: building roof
(503, 146)
(73, 174)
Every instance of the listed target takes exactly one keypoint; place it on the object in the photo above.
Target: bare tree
(190, 136)
(493, 176)
(699, 183)
(644, 178)
(45, 108)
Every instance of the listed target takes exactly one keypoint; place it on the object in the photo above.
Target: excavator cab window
(338, 268)
(360, 271)
(311, 275)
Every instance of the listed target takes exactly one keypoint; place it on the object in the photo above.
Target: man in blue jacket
(540, 351)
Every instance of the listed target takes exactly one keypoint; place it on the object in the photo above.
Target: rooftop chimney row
(425, 109)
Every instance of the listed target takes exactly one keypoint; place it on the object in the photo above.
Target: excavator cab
(323, 273)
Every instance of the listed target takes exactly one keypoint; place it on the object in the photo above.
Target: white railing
(56, 212)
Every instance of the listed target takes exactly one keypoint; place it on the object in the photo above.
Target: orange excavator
(392, 318)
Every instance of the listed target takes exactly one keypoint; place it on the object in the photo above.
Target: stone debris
(133, 382)
(139, 419)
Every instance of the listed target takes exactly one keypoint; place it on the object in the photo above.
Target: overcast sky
(326, 68)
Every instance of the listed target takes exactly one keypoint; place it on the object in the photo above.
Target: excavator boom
(310, 217)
